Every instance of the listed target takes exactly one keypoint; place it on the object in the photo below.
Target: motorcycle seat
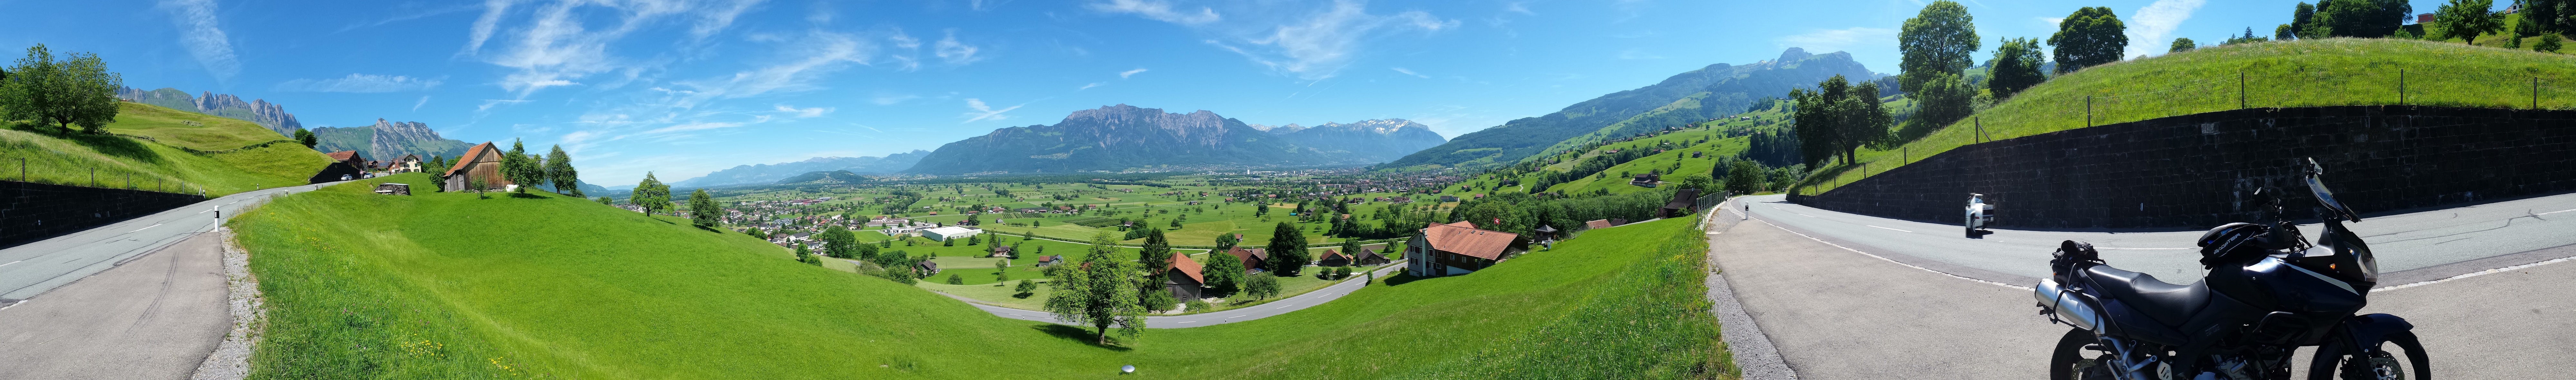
(2167, 303)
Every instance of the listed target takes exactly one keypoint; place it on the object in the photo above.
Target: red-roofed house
(1182, 277)
(1455, 249)
(1253, 258)
(1333, 258)
(483, 162)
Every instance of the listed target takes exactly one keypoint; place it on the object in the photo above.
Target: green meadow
(456, 286)
(150, 148)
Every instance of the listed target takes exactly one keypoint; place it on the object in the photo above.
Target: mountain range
(767, 173)
(389, 140)
(258, 111)
(1709, 92)
(1124, 137)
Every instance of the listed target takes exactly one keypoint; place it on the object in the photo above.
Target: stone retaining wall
(37, 211)
(2200, 170)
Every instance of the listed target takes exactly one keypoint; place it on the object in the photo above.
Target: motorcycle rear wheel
(2068, 361)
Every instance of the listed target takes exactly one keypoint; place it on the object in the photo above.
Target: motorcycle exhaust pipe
(2072, 307)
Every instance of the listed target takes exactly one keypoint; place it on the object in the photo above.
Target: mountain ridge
(769, 173)
(257, 111)
(1120, 137)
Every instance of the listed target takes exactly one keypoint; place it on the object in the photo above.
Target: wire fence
(27, 160)
(2527, 89)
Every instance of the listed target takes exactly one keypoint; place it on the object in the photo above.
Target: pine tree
(1156, 254)
(1287, 250)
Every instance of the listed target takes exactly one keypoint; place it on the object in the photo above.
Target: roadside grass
(2303, 73)
(125, 162)
(446, 285)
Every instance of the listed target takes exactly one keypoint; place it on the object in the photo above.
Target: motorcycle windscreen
(2326, 199)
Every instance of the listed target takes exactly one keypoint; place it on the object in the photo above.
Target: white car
(1979, 214)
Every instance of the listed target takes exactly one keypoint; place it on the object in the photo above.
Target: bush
(1195, 305)
(2548, 43)
(1261, 286)
(954, 280)
(1026, 288)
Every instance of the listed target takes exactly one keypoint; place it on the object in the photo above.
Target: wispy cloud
(2149, 27)
(359, 83)
(1409, 72)
(424, 100)
(953, 52)
(1130, 73)
(1638, 54)
(1318, 45)
(691, 127)
(205, 41)
(984, 112)
(804, 112)
(887, 100)
(1157, 11)
(489, 103)
(720, 16)
(1089, 86)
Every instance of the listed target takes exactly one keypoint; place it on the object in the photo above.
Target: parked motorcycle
(2269, 292)
(1980, 215)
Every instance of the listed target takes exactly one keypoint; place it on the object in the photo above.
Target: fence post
(2535, 98)
(1981, 129)
(2240, 89)
(2401, 87)
(2088, 111)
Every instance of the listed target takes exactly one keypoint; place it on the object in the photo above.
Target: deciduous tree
(650, 195)
(1223, 272)
(1938, 40)
(2466, 19)
(2015, 67)
(2181, 45)
(1261, 286)
(703, 210)
(1100, 291)
(76, 90)
(560, 173)
(306, 137)
(2091, 36)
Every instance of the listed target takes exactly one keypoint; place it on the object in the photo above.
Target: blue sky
(684, 87)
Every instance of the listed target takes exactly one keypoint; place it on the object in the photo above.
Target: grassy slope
(160, 163)
(2305, 73)
(444, 285)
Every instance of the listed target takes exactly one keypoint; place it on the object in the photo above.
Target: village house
(926, 268)
(1333, 258)
(1001, 251)
(1252, 258)
(409, 163)
(1369, 257)
(480, 162)
(1182, 277)
(1455, 249)
(1050, 260)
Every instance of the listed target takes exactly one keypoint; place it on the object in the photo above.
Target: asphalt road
(2411, 247)
(1274, 308)
(27, 271)
(156, 317)
(1853, 297)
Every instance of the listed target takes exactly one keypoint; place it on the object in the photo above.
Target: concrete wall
(2197, 171)
(36, 211)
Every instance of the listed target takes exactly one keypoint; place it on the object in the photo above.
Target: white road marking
(1898, 262)
(2478, 273)
(144, 228)
(1810, 216)
(13, 262)
(2553, 212)
(1897, 230)
(211, 209)
(2143, 249)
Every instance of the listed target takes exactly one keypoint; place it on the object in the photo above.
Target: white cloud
(206, 42)
(1130, 73)
(953, 52)
(691, 127)
(489, 103)
(804, 112)
(1828, 40)
(720, 17)
(905, 60)
(1518, 7)
(2052, 21)
(360, 83)
(819, 52)
(1157, 11)
(887, 100)
(1409, 72)
(424, 100)
(1319, 45)
(982, 112)
(2149, 27)
(1089, 86)
(561, 43)
(1638, 54)
(483, 26)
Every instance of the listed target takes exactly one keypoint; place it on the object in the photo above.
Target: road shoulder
(155, 317)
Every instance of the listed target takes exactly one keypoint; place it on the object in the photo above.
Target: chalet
(409, 163)
(1368, 258)
(949, 232)
(1050, 260)
(345, 165)
(1333, 258)
(926, 268)
(1001, 250)
(1646, 180)
(1683, 203)
(1252, 258)
(349, 157)
(1182, 277)
(480, 162)
(1455, 249)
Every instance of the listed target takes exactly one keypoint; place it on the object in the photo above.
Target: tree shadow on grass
(1078, 334)
(1400, 278)
(526, 196)
(118, 146)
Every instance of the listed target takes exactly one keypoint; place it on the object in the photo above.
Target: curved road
(1283, 306)
(32, 269)
(1844, 296)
